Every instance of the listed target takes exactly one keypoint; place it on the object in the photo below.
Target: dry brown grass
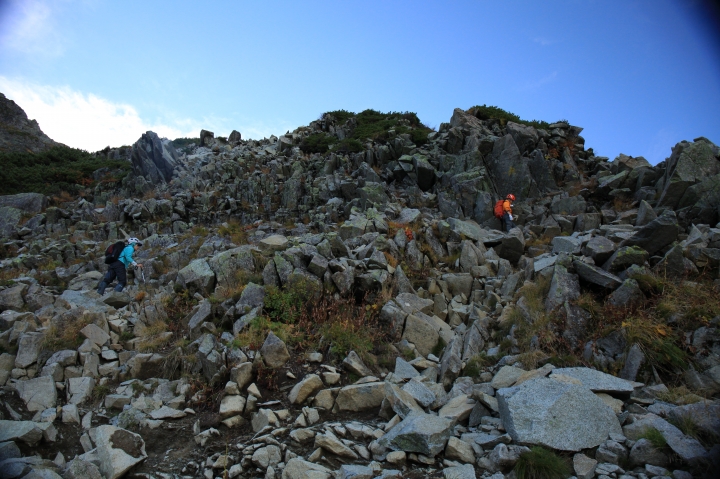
(8, 275)
(149, 195)
(659, 325)
(65, 334)
(681, 395)
(333, 326)
(622, 203)
(392, 261)
(153, 337)
(538, 241)
(234, 231)
(62, 197)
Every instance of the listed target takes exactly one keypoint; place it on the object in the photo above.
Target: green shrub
(485, 112)
(349, 145)
(376, 125)
(342, 340)
(54, 170)
(341, 116)
(541, 463)
(287, 305)
(183, 142)
(317, 143)
(419, 136)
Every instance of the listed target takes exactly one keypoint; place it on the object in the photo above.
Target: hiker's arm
(129, 256)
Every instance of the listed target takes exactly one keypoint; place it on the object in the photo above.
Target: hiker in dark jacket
(118, 268)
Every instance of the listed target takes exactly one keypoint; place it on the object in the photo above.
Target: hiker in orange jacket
(507, 217)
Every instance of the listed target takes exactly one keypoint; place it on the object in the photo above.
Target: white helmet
(134, 241)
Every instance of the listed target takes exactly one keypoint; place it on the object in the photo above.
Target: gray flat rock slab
(405, 370)
(597, 381)
(688, 448)
(419, 432)
(466, 471)
(506, 377)
(563, 416)
(166, 412)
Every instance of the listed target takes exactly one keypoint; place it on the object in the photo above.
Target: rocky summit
(341, 302)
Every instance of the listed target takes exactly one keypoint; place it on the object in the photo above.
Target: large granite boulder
(29, 346)
(154, 158)
(227, 263)
(422, 433)
(689, 163)
(703, 201)
(595, 275)
(297, 468)
(559, 415)
(573, 205)
(29, 203)
(198, 276)
(509, 171)
(118, 450)
(274, 351)
(624, 163)
(12, 297)
(28, 432)
(564, 286)
(361, 397)
(597, 381)
(628, 295)
(657, 234)
(513, 245)
(625, 257)
(525, 136)
(38, 393)
(704, 414)
(14, 207)
(541, 172)
(425, 172)
(688, 448)
(599, 248)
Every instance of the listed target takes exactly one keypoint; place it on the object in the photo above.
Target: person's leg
(121, 275)
(109, 277)
(507, 222)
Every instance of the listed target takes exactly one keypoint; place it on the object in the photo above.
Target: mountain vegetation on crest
(59, 168)
(359, 127)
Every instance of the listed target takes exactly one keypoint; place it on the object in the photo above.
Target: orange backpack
(499, 210)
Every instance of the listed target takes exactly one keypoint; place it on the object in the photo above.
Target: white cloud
(28, 28)
(86, 121)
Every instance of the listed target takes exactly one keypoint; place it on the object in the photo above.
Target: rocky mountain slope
(339, 302)
(17, 132)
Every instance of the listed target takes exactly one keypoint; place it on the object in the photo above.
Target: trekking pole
(142, 273)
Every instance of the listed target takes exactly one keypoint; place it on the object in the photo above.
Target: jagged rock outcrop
(154, 158)
(18, 133)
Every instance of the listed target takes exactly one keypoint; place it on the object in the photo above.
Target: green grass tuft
(439, 346)
(541, 463)
(655, 437)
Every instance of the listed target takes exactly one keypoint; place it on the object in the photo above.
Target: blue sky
(639, 76)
